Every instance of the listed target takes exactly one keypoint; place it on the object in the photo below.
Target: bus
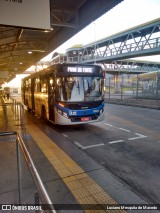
(66, 94)
(147, 85)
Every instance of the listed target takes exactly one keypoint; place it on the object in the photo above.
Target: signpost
(25, 13)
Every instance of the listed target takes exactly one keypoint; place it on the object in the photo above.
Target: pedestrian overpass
(114, 51)
(142, 40)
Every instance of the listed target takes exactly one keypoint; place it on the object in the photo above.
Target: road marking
(79, 145)
(124, 129)
(108, 124)
(100, 144)
(87, 147)
(65, 135)
(117, 127)
(119, 141)
(139, 136)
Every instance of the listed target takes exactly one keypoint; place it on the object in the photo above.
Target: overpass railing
(116, 51)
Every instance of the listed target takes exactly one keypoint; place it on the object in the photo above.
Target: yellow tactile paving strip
(83, 188)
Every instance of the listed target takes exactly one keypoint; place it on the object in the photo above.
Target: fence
(144, 86)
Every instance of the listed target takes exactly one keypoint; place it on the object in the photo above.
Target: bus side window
(28, 85)
(51, 83)
(23, 85)
(43, 84)
(37, 85)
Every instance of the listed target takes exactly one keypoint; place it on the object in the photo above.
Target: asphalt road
(127, 143)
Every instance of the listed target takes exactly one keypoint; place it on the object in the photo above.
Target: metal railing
(125, 87)
(17, 108)
(111, 50)
(42, 193)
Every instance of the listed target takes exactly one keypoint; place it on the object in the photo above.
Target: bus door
(51, 99)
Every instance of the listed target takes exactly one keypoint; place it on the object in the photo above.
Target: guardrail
(17, 108)
(42, 193)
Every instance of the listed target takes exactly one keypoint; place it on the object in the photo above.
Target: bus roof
(56, 66)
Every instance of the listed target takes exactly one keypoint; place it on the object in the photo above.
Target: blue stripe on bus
(85, 112)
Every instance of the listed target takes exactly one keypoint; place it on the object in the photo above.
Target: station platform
(73, 180)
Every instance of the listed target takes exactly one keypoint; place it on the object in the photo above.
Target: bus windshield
(72, 89)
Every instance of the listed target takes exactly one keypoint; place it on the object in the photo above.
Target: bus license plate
(85, 119)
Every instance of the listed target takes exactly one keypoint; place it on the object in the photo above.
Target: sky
(127, 14)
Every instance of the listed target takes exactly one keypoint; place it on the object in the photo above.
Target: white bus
(66, 94)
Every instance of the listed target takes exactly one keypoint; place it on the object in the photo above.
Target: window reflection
(72, 89)
(44, 85)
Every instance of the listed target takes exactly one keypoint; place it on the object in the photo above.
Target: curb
(152, 104)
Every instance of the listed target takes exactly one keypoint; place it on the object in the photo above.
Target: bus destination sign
(80, 69)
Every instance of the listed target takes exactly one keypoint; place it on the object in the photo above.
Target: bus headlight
(59, 111)
(64, 114)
